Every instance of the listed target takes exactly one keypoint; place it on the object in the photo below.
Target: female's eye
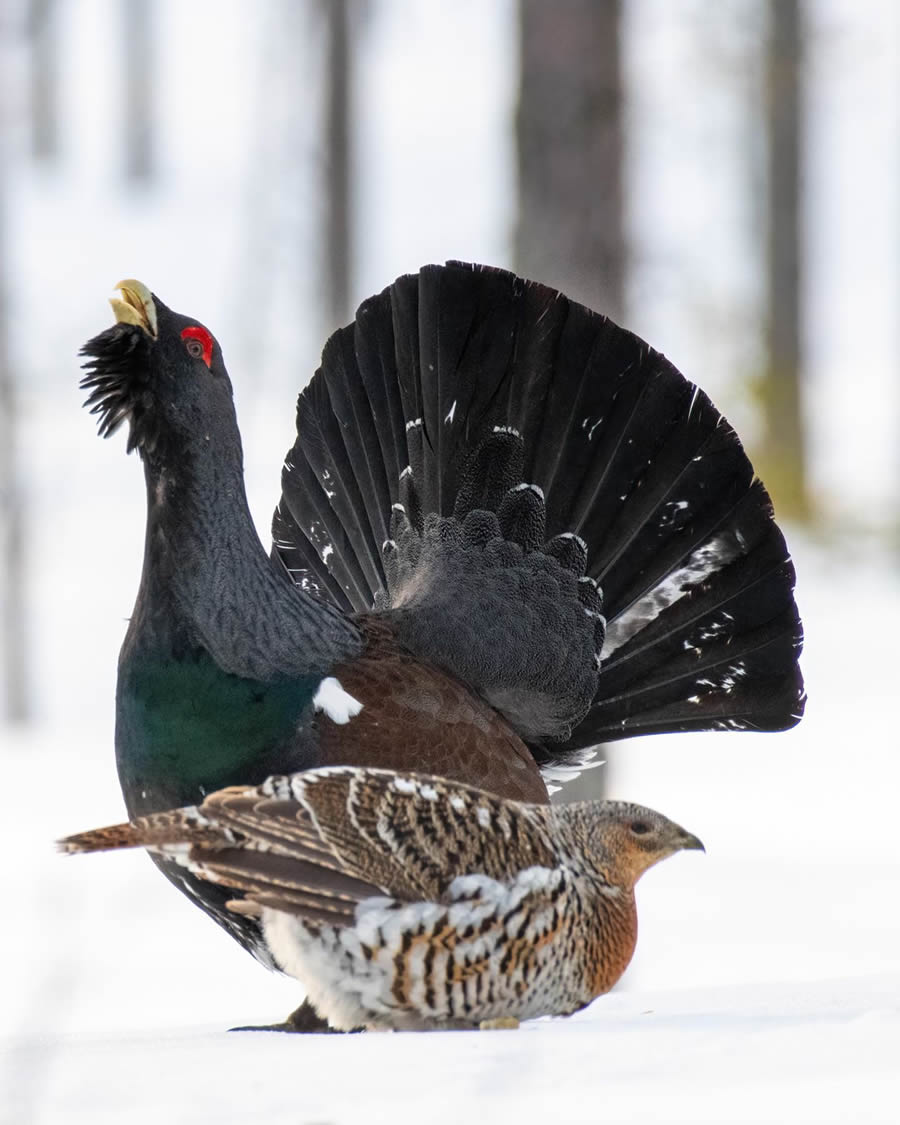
(639, 828)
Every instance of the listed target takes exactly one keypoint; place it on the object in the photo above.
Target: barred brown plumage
(406, 901)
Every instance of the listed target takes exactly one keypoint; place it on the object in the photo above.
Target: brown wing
(353, 833)
(417, 717)
(318, 843)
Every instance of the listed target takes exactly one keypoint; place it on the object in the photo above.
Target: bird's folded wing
(353, 833)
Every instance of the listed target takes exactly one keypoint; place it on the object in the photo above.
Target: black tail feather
(462, 391)
(368, 483)
(321, 437)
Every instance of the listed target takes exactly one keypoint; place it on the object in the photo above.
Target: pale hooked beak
(135, 306)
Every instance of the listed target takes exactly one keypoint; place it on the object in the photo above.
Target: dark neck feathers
(207, 576)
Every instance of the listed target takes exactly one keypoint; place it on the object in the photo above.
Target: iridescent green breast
(184, 728)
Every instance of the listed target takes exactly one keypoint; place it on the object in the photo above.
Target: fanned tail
(499, 467)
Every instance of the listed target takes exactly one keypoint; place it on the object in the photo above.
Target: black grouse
(509, 531)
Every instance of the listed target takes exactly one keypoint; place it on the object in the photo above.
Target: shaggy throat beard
(118, 382)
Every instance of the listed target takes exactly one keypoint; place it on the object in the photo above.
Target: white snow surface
(765, 988)
(766, 983)
(752, 1055)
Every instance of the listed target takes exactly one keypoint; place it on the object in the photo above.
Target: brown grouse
(408, 902)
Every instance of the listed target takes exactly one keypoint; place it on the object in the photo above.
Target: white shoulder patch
(337, 704)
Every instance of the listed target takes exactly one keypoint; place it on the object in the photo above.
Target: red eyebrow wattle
(197, 332)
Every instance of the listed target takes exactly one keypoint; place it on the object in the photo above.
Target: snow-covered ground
(766, 985)
(810, 1056)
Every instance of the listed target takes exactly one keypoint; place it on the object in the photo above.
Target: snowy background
(766, 986)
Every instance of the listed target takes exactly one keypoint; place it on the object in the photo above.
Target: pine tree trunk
(43, 75)
(570, 140)
(13, 657)
(570, 135)
(783, 459)
(337, 126)
(137, 53)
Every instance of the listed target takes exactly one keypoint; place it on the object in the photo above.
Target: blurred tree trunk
(43, 75)
(783, 457)
(570, 132)
(137, 61)
(337, 127)
(570, 231)
(13, 660)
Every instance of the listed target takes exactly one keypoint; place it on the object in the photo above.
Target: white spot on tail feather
(337, 704)
(706, 560)
(535, 488)
(563, 772)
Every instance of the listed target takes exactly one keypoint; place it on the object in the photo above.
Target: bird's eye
(640, 828)
(198, 343)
